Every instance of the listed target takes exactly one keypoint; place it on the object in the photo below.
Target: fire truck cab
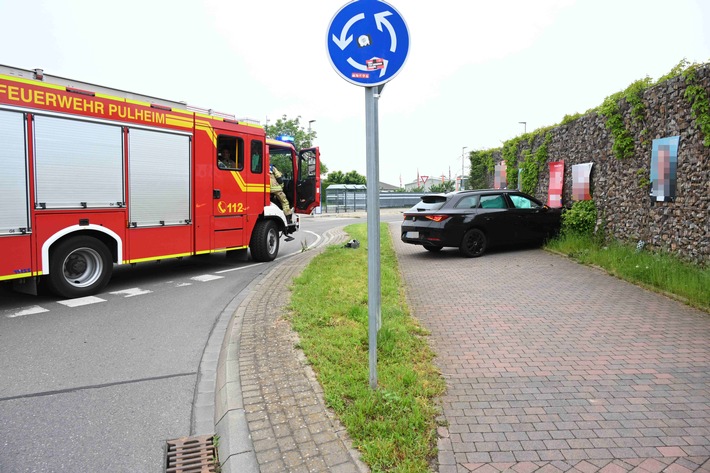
(93, 176)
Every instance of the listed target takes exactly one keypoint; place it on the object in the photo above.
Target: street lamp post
(462, 161)
(309, 132)
(525, 126)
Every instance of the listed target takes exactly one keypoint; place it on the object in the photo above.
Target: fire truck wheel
(79, 267)
(264, 244)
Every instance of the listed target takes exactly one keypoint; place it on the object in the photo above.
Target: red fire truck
(92, 176)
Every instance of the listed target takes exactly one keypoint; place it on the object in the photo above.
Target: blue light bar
(287, 138)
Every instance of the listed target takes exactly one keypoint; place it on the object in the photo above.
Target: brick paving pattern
(291, 428)
(553, 366)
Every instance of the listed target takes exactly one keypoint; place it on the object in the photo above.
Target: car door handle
(216, 194)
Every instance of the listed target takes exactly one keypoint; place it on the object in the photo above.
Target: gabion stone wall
(621, 189)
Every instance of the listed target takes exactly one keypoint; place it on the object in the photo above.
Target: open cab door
(308, 182)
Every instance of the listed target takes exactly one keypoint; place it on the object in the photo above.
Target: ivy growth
(623, 146)
(570, 118)
(697, 96)
(510, 156)
(482, 164)
(644, 181)
(677, 70)
(634, 95)
(533, 164)
(623, 141)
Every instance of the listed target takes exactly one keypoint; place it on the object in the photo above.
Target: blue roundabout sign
(368, 42)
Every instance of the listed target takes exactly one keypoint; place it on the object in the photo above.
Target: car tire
(432, 248)
(473, 243)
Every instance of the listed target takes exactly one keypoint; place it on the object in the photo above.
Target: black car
(475, 220)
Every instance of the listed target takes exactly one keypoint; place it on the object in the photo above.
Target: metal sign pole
(373, 228)
(368, 43)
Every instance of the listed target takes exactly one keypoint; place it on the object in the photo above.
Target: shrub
(580, 219)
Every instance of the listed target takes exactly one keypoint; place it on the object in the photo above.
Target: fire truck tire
(264, 245)
(78, 267)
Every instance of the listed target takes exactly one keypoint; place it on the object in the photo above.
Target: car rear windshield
(429, 202)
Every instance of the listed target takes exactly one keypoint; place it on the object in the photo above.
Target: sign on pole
(367, 43)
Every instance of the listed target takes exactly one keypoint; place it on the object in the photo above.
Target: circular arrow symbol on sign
(342, 42)
(381, 19)
(368, 42)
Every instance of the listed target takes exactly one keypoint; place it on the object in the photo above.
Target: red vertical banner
(554, 195)
(500, 179)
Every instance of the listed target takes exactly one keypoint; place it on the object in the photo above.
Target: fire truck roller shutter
(14, 211)
(78, 162)
(159, 178)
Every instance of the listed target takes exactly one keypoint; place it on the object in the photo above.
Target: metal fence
(392, 200)
(353, 197)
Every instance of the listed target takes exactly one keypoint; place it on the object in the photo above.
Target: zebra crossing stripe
(135, 291)
(81, 301)
(29, 311)
(206, 277)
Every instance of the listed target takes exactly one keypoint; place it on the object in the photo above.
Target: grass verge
(394, 427)
(660, 272)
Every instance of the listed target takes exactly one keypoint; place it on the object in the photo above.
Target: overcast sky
(475, 68)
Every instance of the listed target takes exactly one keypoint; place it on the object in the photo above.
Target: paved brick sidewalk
(554, 366)
(291, 429)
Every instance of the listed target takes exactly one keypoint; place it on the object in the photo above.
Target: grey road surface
(103, 385)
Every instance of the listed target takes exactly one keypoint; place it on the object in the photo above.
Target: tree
(446, 186)
(352, 177)
(292, 127)
(481, 166)
(337, 177)
(284, 126)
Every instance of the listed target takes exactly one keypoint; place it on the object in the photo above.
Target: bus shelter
(345, 198)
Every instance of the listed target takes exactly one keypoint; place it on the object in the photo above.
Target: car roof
(475, 191)
(450, 195)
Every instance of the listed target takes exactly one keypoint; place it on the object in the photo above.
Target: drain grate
(192, 455)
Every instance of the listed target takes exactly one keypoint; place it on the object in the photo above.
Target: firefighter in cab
(277, 190)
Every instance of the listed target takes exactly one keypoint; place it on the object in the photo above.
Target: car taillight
(437, 218)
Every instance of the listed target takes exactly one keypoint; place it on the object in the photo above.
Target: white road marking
(237, 269)
(318, 239)
(29, 311)
(298, 252)
(206, 277)
(135, 291)
(81, 301)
